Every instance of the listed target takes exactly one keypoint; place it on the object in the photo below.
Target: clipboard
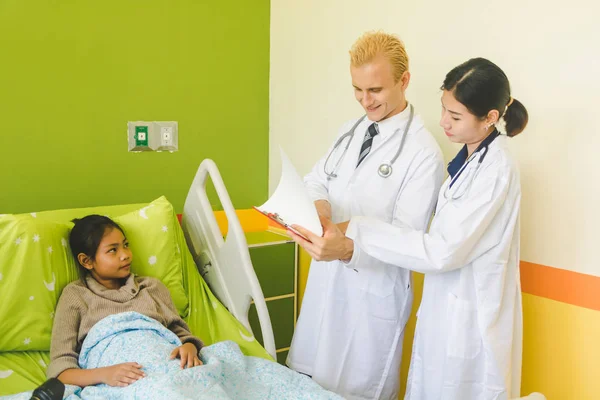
(277, 219)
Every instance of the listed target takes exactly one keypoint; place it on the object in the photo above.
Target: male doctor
(351, 327)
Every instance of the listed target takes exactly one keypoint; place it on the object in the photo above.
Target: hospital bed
(224, 263)
(215, 314)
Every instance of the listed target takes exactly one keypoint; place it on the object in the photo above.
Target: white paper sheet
(291, 201)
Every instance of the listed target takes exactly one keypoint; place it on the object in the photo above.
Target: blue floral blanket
(226, 373)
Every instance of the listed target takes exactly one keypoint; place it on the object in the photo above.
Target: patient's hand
(122, 374)
(188, 354)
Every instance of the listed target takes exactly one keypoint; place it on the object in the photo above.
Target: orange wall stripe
(561, 285)
(251, 220)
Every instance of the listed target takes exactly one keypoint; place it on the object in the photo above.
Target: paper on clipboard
(290, 203)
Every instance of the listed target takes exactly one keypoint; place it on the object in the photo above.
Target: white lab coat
(468, 339)
(350, 330)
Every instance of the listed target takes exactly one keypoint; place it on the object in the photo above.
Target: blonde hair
(372, 44)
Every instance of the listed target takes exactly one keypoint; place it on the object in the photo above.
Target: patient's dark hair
(86, 235)
(481, 86)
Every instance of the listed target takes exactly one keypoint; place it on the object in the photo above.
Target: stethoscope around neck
(385, 169)
(463, 186)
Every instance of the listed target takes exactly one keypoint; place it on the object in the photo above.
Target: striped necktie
(367, 142)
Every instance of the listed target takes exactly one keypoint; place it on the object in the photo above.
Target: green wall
(72, 73)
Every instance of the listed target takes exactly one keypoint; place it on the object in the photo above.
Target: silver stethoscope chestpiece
(384, 170)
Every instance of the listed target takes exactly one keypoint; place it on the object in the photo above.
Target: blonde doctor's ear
(405, 80)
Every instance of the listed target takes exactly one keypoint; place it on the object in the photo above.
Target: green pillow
(35, 264)
(151, 232)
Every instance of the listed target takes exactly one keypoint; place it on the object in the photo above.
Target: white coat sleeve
(415, 201)
(454, 242)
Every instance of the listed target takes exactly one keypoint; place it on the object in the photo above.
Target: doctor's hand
(323, 208)
(343, 226)
(333, 245)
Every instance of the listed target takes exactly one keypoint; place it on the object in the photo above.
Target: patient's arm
(64, 349)
(80, 377)
(173, 321)
(115, 375)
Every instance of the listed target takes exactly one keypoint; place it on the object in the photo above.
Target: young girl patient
(108, 287)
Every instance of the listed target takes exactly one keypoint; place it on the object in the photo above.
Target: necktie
(367, 142)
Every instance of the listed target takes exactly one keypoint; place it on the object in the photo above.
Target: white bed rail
(224, 263)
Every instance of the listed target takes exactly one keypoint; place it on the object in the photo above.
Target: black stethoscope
(385, 169)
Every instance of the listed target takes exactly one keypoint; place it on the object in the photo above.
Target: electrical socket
(166, 136)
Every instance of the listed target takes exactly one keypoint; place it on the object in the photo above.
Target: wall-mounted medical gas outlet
(138, 136)
(152, 136)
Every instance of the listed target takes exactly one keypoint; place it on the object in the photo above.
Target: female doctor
(469, 331)
(389, 167)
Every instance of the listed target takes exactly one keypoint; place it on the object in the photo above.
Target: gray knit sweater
(83, 304)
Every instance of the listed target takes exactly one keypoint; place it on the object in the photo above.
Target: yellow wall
(303, 268)
(561, 350)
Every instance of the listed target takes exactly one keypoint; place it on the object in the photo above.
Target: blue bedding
(226, 373)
